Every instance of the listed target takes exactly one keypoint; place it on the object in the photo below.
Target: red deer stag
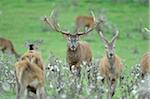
(77, 51)
(110, 65)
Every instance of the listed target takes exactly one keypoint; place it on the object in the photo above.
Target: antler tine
(114, 38)
(48, 23)
(147, 30)
(54, 24)
(102, 37)
(93, 15)
(86, 32)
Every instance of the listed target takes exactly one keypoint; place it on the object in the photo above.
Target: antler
(86, 32)
(114, 38)
(102, 37)
(147, 30)
(53, 24)
(93, 15)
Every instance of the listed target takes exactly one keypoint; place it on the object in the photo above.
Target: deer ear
(66, 36)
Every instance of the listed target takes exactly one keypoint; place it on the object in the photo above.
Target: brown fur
(111, 75)
(84, 22)
(34, 57)
(110, 65)
(77, 52)
(145, 64)
(7, 45)
(82, 53)
(106, 72)
(29, 75)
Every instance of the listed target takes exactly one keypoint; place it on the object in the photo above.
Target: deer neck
(73, 53)
(111, 64)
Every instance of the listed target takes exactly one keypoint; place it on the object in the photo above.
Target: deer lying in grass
(145, 64)
(6, 45)
(30, 76)
(77, 51)
(110, 65)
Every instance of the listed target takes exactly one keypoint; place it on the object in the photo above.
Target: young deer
(77, 51)
(6, 45)
(30, 76)
(33, 56)
(110, 65)
(145, 64)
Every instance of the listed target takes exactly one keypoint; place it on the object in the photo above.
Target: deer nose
(73, 47)
(111, 54)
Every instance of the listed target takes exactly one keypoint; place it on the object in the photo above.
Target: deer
(33, 55)
(87, 22)
(145, 64)
(29, 76)
(77, 51)
(6, 45)
(110, 65)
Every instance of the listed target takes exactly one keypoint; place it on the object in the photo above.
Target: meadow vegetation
(22, 20)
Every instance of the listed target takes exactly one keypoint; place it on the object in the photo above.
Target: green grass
(21, 21)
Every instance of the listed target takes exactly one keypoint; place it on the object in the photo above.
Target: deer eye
(69, 38)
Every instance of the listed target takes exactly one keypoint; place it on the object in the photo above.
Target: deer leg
(113, 87)
(88, 72)
(120, 79)
(40, 93)
(78, 71)
(18, 88)
(27, 94)
(109, 96)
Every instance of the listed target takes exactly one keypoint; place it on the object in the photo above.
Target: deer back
(84, 21)
(29, 74)
(145, 63)
(6, 43)
(34, 57)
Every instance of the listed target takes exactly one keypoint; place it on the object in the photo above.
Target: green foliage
(20, 21)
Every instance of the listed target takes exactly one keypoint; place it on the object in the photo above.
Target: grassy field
(21, 21)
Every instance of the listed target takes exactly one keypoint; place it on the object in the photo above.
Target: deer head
(72, 38)
(109, 45)
(33, 45)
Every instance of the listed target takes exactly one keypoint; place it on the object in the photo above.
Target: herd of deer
(29, 68)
